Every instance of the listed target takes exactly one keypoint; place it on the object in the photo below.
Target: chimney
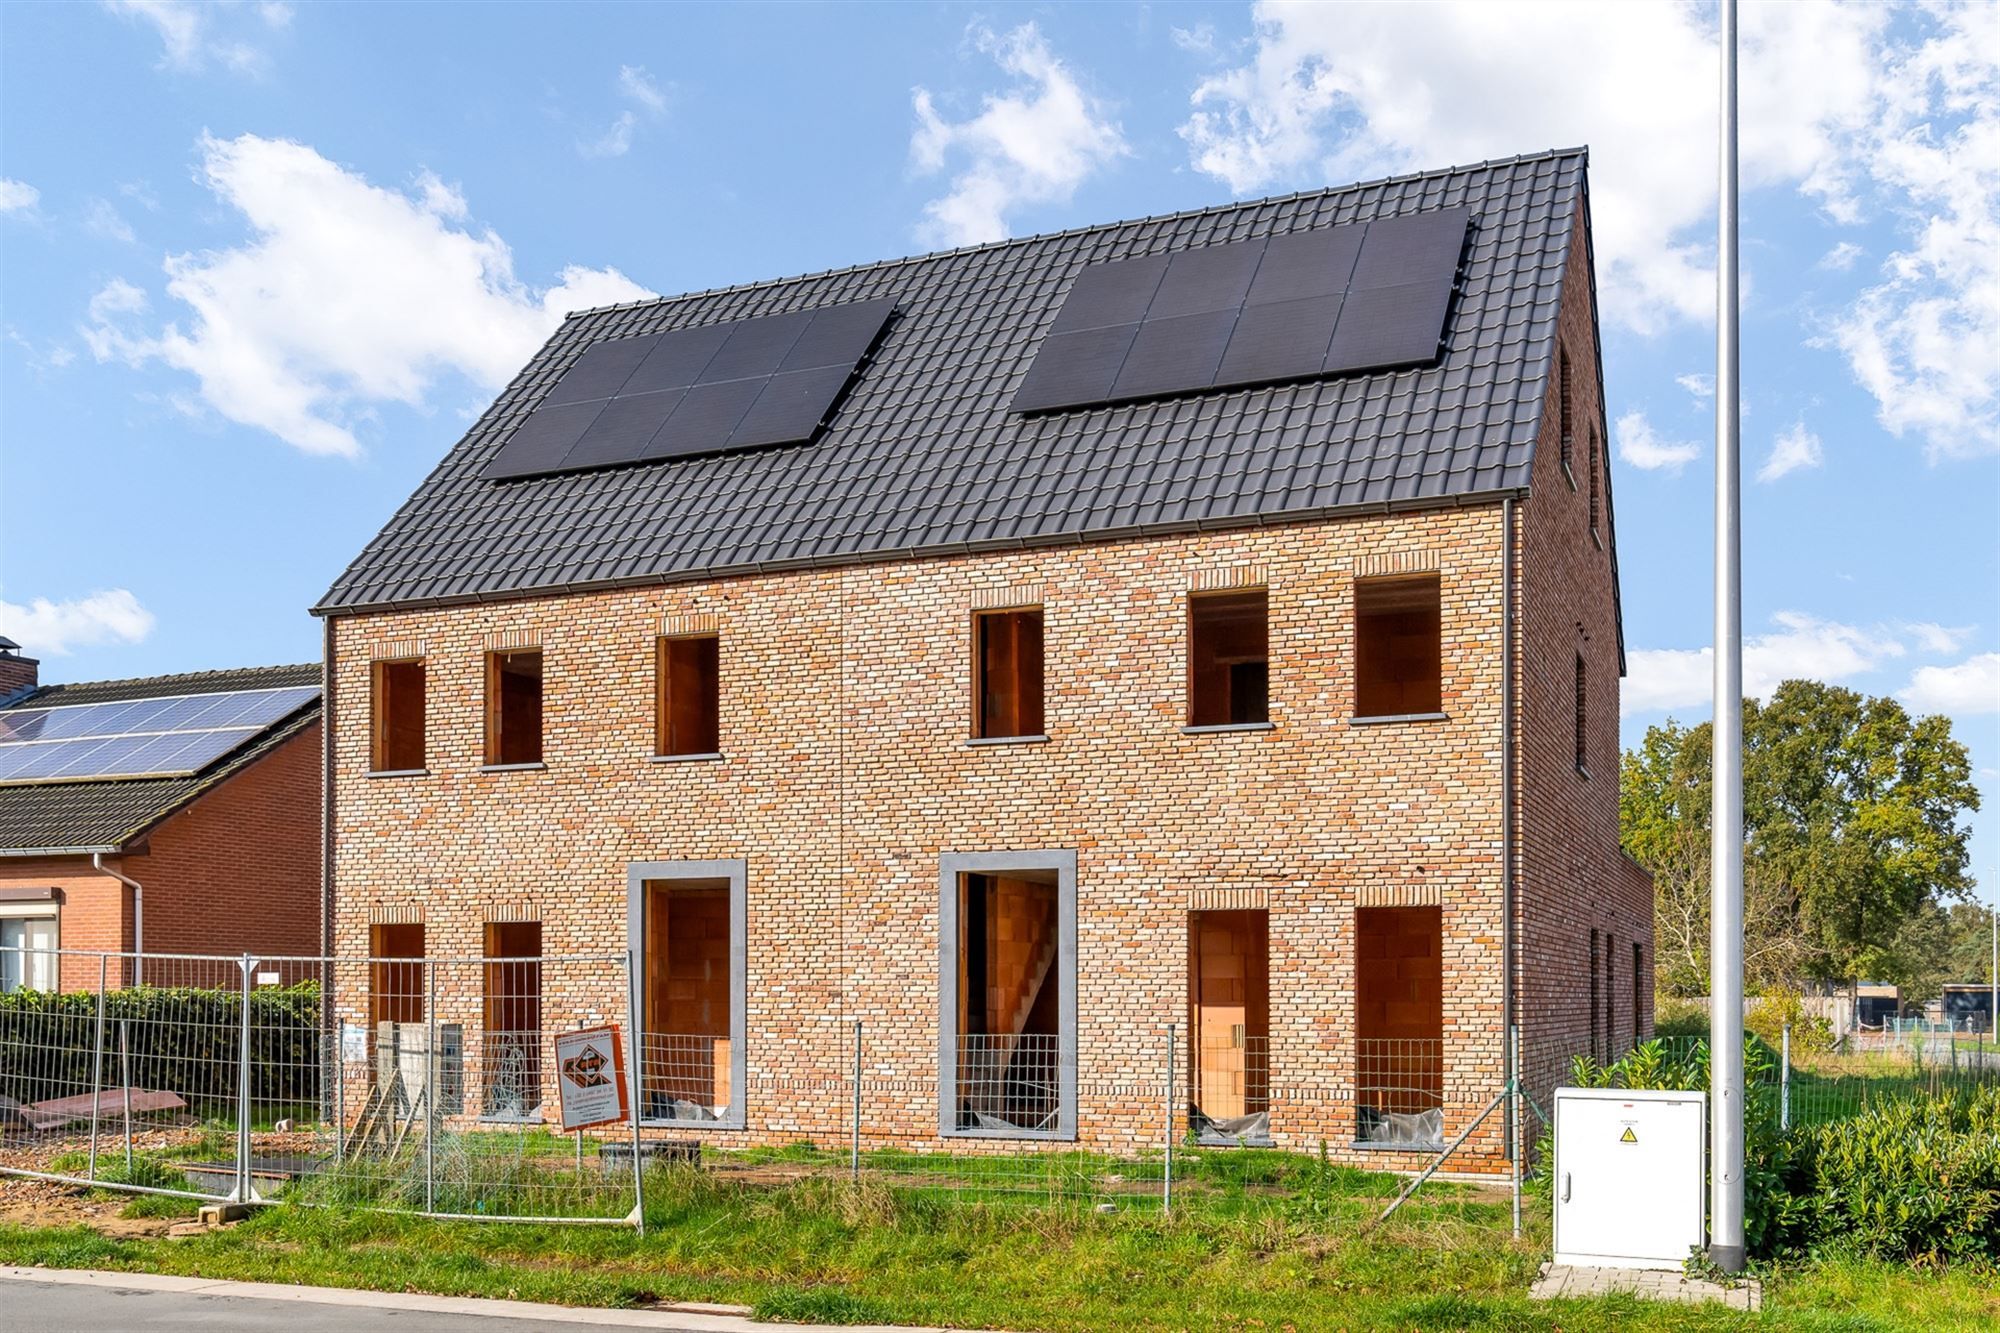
(18, 674)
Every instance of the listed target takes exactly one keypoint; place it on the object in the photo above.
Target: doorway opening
(1399, 1026)
(1229, 1000)
(1009, 1033)
(690, 1000)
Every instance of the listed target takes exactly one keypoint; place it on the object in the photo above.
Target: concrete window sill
(1218, 728)
(1388, 718)
(683, 758)
(1359, 1146)
(1049, 1135)
(397, 773)
(536, 767)
(1008, 740)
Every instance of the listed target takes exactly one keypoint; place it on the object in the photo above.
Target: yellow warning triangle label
(1628, 1136)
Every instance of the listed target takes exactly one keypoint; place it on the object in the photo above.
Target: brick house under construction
(1209, 620)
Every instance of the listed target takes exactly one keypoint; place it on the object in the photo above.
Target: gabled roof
(61, 817)
(924, 455)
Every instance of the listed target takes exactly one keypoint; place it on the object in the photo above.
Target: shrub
(1779, 1007)
(1906, 1180)
(179, 1040)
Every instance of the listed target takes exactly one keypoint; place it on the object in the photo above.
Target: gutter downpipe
(1511, 1044)
(138, 915)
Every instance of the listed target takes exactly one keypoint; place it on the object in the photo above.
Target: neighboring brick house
(1118, 637)
(169, 815)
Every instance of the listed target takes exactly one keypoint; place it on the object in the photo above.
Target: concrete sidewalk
(60, 1300)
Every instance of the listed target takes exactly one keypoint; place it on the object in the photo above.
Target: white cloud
(52, 629)
(1926, 340)
(1942, 640)
(1801, 647)
(1642, 448)
(1033, 144)
(276, 14)
(179, 25)
(1701, 387)
(1972, 686)
(101, 219)
(1198, 40)
(1864, 110)
(1793, 449)
(1841, 258)
(17, 196)
(636, 86)
(343, 296)
(1341, 92)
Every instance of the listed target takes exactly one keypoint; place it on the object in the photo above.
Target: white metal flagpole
(1725, 965)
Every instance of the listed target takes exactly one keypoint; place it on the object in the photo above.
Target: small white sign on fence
(590, 1076)
(354, 1043)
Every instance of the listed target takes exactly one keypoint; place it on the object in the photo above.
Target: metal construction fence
(430, 1085)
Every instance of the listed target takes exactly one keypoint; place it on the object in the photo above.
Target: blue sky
(261, 263)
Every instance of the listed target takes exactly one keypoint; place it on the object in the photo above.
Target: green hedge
(183, 1041)
(1917, 1179)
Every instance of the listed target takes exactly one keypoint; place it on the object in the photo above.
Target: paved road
(46, 1301)
(48, 1307)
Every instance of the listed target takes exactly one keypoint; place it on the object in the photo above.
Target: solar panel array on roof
(738, 385)
(1367, 296)
(159, 737)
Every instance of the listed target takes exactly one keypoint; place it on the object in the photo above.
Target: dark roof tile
(925, 455)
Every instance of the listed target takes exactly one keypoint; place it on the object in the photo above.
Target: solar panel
(1279, 342)
(1215, 277)
(1174, 354)
(602, 371)
(1108, 294)
(1333, 300)
(1305, 264)
(134, 738)
(677, 359)
(1075, 368)
(745, 383)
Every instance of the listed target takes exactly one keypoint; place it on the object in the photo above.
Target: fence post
(331, 974)
(97, 1063)
(1514, 1118)
(430, 1085)
(242, 1193)
(1785, 1079)
(125, 1080)
(1167, 1176)
(638, 1086)
(854, 1153)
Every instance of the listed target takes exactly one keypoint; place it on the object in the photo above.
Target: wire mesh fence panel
(134, 1073)
(1399, 1091)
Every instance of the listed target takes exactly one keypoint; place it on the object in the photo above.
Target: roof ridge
(898, 261)
(167, 679)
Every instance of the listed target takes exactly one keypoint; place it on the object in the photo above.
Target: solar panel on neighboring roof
(749, 382)
(1368, 296)
(137, 738)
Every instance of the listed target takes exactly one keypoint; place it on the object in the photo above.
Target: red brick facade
(237, 870)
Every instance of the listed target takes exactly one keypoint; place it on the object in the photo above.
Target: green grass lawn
(1233, 1255)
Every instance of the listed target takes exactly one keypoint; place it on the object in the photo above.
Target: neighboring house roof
(924, 456)
(107, 816)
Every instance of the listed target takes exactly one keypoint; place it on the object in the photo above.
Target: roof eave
(107, 849)
(716, 573)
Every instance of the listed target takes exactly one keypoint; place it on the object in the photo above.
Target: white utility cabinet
(1629, 1176)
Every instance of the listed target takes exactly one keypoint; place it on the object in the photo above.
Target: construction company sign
(590, 1076)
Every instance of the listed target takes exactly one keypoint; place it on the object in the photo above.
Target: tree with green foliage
(1854, 828)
